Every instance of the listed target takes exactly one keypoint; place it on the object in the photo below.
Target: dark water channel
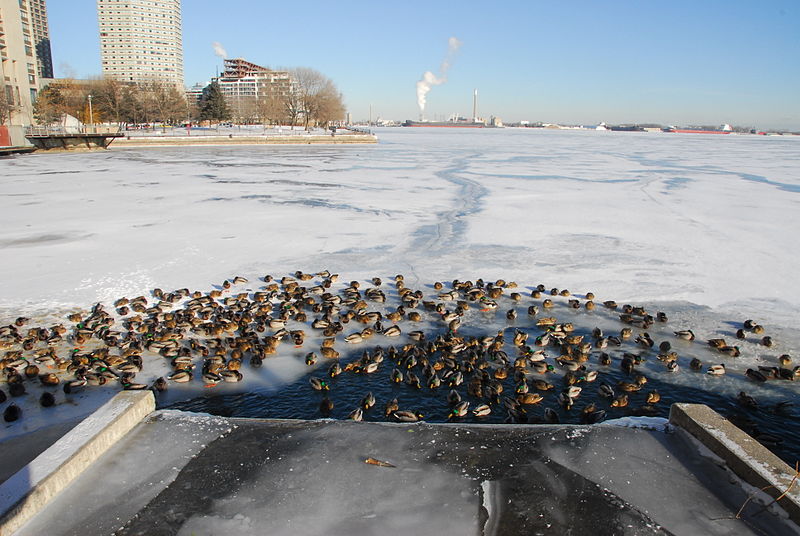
(776, 425)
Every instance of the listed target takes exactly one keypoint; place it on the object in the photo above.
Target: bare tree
(245, 110)
(271, 109)
(320, 101)
(294, 106)
(161, 102)
(109, 96)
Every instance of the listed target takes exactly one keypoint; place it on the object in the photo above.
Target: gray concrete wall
(745, 456)
(31, 488)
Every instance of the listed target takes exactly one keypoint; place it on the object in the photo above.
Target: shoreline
(163, 141)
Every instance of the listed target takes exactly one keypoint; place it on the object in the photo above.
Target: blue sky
(677, 62)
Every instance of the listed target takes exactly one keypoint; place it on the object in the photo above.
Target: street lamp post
(91, 117)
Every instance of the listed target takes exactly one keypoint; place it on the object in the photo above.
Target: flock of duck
(419, 339)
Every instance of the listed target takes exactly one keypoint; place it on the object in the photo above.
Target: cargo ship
(726, 129)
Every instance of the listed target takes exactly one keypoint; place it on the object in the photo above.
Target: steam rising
(218, 50)
(429, 79)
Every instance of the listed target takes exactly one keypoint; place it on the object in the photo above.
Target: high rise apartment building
(19, 65)
(141, 40)
(37, 10)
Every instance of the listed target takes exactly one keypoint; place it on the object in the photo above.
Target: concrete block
(30, 489)
(745, 456)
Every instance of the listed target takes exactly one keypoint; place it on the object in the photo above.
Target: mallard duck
(181, 376)
(453, 397)
(74, 386)
(592, 415)
(230, 376)
(392, 331)
(755, 375)
(49, 379)
(47, 400)
(716, 370)
(406, 416)
(695, 364)
(391, 406)
(368, 401)
(746, 400)
(328, 353)
(354, 338)
(732, 351)
(12, 413)
(319, 384)
(396, 376)
(434, 381)
(565, 401)
(481, 410)
(334, 370)
(412, 380)
(160, 384)
(326, 407)
(717, 343)
(653, 397)
(459, 410)
(630, 387)
(529, 398)
(356, 415)
(620, 402)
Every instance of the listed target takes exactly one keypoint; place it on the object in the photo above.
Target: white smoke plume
(429, 79)
(218, 50)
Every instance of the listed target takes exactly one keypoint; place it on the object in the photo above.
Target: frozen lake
(702, 227)
(710, 220)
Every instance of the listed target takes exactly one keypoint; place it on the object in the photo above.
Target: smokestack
(475, 107)
(429, 79)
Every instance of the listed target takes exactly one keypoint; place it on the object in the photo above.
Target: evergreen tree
(212, 104)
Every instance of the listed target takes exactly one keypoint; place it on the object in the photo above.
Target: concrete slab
(310, 477)
(746, 457)
(31, 488)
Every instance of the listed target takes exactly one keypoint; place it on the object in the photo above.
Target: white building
(141, 40)
(243, 83)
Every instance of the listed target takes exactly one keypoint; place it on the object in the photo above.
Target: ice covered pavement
(187, 474)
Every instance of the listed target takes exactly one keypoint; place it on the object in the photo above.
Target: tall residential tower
(141, 40)
(41, 37)
(19, 71)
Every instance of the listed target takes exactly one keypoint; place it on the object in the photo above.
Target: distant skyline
(582, 62)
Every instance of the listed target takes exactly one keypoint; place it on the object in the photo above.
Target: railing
(60, 130)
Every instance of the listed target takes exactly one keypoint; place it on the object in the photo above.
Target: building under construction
(244, 84)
